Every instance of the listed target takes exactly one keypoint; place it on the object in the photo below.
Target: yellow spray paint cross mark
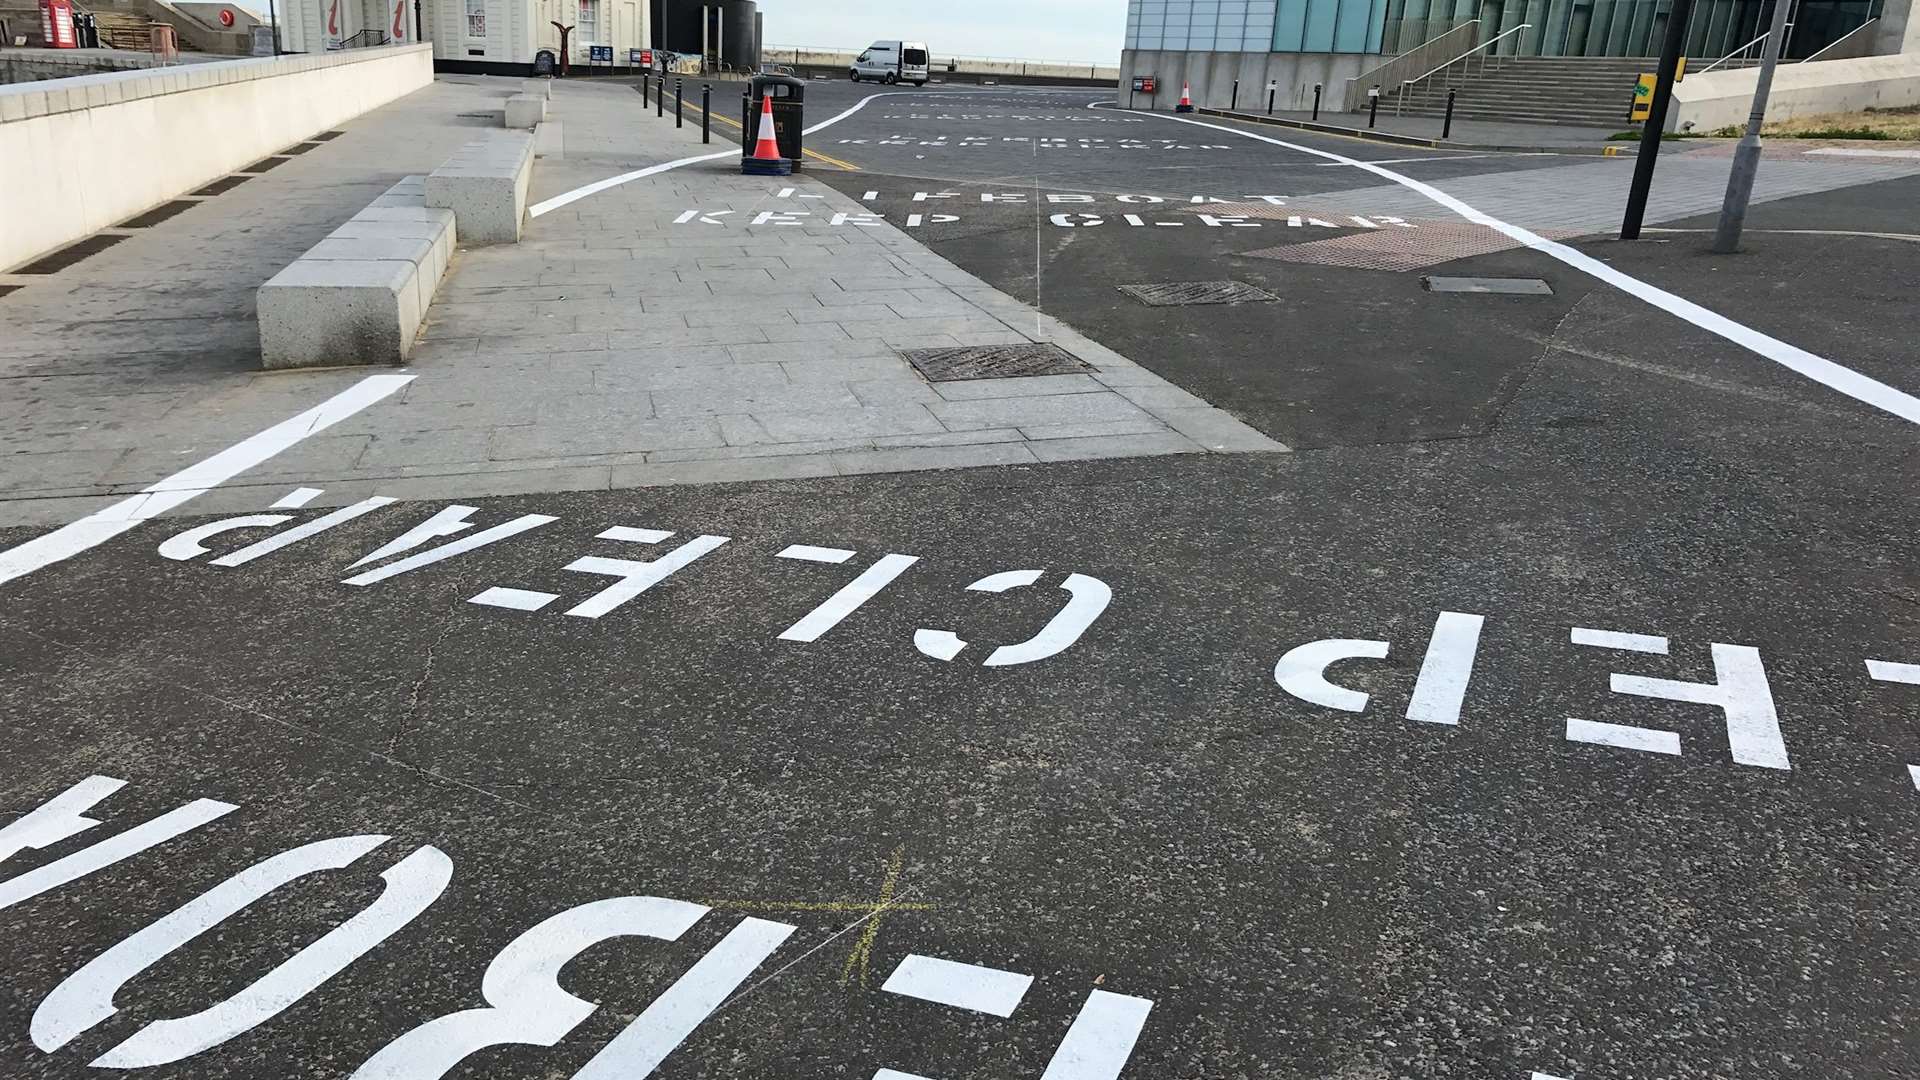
(873, 913)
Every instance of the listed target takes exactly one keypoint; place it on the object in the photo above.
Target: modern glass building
(1553, 27)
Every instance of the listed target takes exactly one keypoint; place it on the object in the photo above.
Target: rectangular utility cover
(995, 362)
(1182, 293)
(1511, 286)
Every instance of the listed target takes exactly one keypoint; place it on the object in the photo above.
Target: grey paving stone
(1031, 386)
(1041, 432)
(426, 447)
(898, 390)
(1113, 446)
(800, 426)
(915, 459)
(1219, 431)
(951, 438)
(1033, 411)
(570, 439)
(782, 397)
(722, 471)
(1158, 399)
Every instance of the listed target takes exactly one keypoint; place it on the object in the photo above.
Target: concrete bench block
(549, 140)
(327, 313)
(525, 110)
(541, 88)
(485, 185)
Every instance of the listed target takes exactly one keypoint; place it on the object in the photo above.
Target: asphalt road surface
(1551, 712)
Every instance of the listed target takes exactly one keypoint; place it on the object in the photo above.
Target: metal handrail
(1736, 52)
(1843, 37)
(1400, 95)
(1375, 70)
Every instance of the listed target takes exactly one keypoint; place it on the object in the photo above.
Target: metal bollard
(1235, 103)
(1316, 101)
(1272, 89)
(1446, 128)
(660, 98)
(1373, 106)
(646, 82)
(706, 112)
(679, 104)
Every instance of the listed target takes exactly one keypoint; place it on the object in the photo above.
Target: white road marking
(447, 551)
(1546, 1076)
(1615, 639)
(635, 536)
(895, 1074)
(1302, 672)
(1834, 376)
(103, 525)
(300, 532)
(963, 986)
(1740, 692)
(297, 498)
(1888, 671)
(1448, 667)
(513, 599)
(1101, 1039)
(809, 553)
(1626, 738)
(1417, 160)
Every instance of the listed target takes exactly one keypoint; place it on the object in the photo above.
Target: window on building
(477, 18)
(589, 25)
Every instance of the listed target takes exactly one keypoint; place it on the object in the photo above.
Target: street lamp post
(1746, 156)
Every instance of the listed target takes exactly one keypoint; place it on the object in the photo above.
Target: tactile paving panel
(1184, 293)
(1398, 249)
(994, 362)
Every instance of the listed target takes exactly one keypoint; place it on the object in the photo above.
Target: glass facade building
(1552, 27)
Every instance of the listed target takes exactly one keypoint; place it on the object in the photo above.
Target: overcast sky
(1025, 29)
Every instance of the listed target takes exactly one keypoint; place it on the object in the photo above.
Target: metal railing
(1739, 54)
(365, 39)
(1849, 53)
(1391, 75)
(1463, 62)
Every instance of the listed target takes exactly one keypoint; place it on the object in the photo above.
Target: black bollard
(1373, 106)
(1316, 101)
(1272, 89)
(660, 99)
(1235, 103)
(646, 83)
(706, 112)
(679, 104)
(1446, 128)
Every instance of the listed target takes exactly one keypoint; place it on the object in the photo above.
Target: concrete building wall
(1899, 29)
(1720, 98)
(80, 154)
(1212, 74)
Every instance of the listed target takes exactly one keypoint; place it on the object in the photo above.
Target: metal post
(1234, 104)
(1131, 92)
(1272, 89)
(1316, 101)
(660, 99)
(679, 104)
(646, 84)
(1373, 106)
(706, 17)
(1656, 119)
(273, 26)
(706, 113)
(419, 34)
(1446, 128)
(1746, 156)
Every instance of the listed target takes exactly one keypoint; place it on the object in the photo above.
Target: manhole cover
(995, 362)
(157, 215)
(264, 164)
(223, 185)
(1507, 286)
(71, 254)
(1182, 293)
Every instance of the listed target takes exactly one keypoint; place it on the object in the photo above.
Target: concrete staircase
(1584, 91)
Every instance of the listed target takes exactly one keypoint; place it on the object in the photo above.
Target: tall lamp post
(1746, 156)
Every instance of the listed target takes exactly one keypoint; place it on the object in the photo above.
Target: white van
(891, 62)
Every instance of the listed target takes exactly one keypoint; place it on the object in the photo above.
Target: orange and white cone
(1186, 98)
(765, 159)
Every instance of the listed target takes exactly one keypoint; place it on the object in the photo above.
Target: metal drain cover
(5, 289)
(71, 254)
(266, 163)
(327, 136)
(223, 185)
(995, 362)
(1183, 293)
(1509, 286)
(158, 214)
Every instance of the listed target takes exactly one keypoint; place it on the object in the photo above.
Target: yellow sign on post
(1643, 96)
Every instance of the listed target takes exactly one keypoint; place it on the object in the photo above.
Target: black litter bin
(788, 95)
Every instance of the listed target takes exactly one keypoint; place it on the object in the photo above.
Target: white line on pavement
(964, 986)
(1625, 738)
(1847, 381)
(103, 525)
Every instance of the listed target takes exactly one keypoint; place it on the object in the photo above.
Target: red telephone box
(56, 24)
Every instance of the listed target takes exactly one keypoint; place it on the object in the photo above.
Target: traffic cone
(1186, 98)
(765, 159)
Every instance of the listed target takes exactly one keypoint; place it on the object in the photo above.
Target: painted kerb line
(1847, 381)
(103, 525)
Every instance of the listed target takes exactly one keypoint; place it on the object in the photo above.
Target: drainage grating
(995, 362)
(1184, 293)
(5, 289)
(265, 163)
(327, 136)
(223, 185)
(300, 148)
(1511, 286)
(71, 254)
(157, 215)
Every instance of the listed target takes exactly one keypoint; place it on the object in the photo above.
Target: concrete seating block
(327, 313)
(542, 88)
(549, 140)
(525, 110)
(485, 185)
